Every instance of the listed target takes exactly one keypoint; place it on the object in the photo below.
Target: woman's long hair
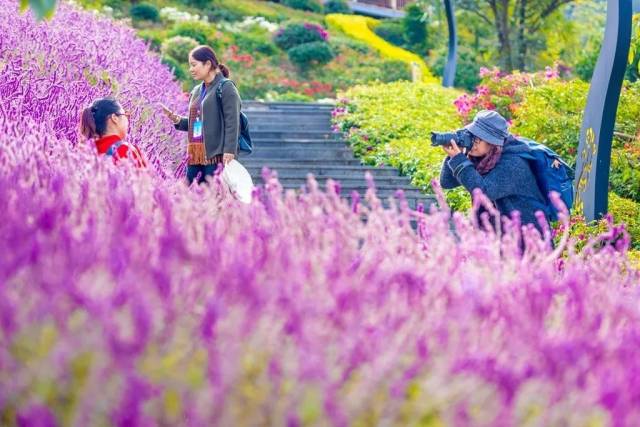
(204, 54)
(486, 163)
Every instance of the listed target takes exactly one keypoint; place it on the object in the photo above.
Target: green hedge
(144, 12)
(308, 55)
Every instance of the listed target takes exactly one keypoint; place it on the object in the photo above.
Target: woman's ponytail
(88, 123)
(224, 70)
(93, 121)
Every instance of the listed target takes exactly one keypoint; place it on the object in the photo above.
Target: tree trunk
(521, 41)
(501, 14)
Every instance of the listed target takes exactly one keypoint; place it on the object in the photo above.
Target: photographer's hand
(452, 149)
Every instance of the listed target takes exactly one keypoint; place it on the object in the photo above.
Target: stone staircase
(295, 139)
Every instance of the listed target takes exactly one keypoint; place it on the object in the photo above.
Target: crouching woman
(494, 166)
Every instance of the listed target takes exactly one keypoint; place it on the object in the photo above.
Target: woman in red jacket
(107, 123)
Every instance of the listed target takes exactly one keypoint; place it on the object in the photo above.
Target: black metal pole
(449, 74)
(594, 151)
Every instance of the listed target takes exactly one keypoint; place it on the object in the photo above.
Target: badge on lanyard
(197, 129)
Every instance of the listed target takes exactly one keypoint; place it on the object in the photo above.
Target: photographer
(492, 162)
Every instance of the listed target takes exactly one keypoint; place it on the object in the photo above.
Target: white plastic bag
(238, 180)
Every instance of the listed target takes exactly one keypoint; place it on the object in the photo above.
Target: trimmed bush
(175, 67)
(308, 55)
(248, 42)
(306, 5)
(392, 31)
(178, 48)
(144, 12)
(198, 4)
(296, 34)
(198, 31)
(336, 6)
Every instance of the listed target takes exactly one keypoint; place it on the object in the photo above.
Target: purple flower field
(129, 299)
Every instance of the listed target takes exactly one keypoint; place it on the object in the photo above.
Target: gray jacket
(220, 136)
(511, 185)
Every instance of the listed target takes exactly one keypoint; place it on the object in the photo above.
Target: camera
(462, 137)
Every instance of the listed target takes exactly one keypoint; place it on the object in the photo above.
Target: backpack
(548, 177)
(244, 140)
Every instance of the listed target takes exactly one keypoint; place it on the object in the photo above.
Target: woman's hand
(170, 114)
(227, 157)
(452, 149)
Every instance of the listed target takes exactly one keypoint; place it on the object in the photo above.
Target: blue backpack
(552, 174)
(244, 140)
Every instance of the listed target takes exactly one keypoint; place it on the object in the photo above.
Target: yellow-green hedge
(360, 28)
(391, 124)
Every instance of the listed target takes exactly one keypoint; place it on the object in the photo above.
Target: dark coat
(510, 185)
(220, 136)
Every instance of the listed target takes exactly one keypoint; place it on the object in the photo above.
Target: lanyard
(203, 93)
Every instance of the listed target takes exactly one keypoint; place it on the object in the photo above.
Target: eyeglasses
(124, 113)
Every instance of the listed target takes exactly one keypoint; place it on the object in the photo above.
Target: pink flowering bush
(501, 91)
(130, 299)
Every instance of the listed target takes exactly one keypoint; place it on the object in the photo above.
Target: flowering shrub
(202, 32)
(172, 14)
(48, 76)
(178, 48)
(499, 91)
(359, 27)
(299, 33)
(250, 22)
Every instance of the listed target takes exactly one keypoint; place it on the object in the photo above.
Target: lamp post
(594, 150)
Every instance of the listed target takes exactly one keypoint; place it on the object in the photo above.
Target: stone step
(290, 106)
(302, 115)
(289, 127)
(276, 162)
(324, 170)
(296, 145)
(266, 141)
(283, 133)
(361, 187)
(392, 183)
(327, 154)
(302, 173)
(287, 123)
